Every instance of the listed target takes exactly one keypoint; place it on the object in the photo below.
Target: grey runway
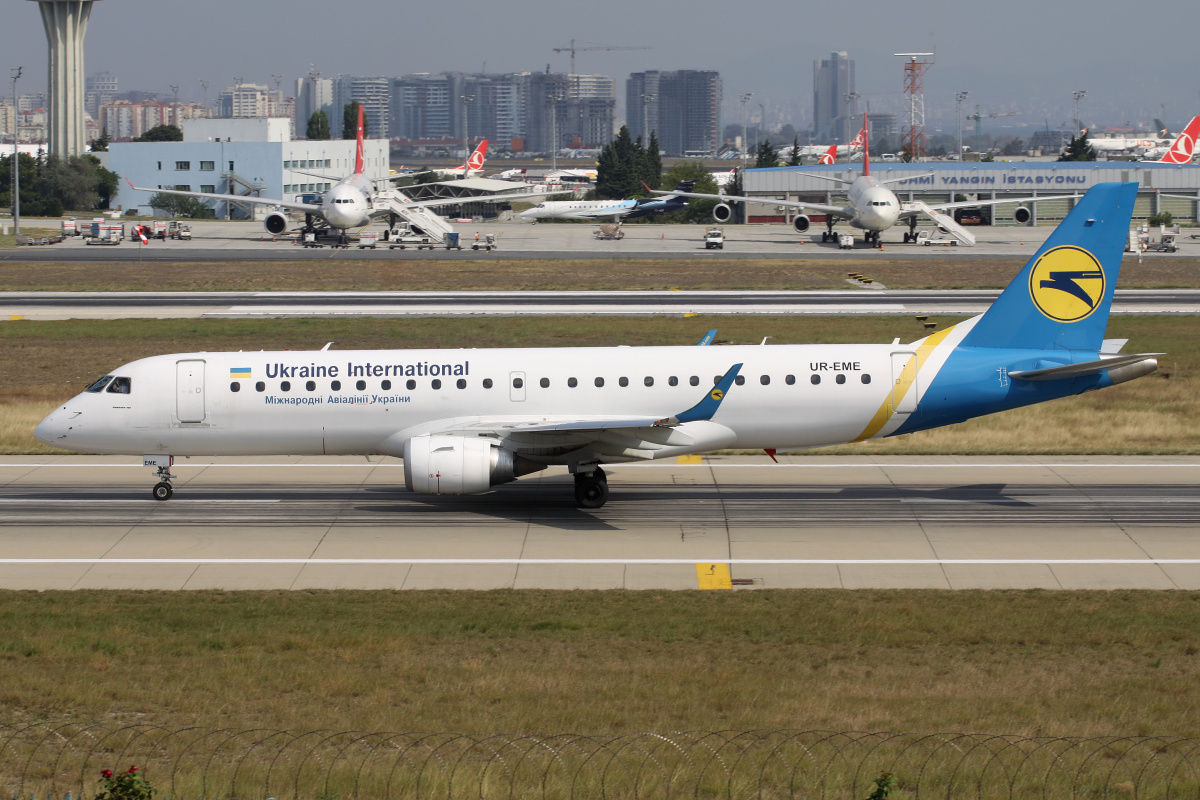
(114, 305)
(1014, 523)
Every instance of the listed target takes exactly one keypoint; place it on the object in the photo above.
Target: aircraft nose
(53, 428)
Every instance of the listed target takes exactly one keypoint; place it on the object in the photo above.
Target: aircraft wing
(453, 201)
(239, 198)
(976, 203)
(841, 212)
(623, 433)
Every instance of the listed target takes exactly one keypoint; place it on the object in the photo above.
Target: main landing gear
(828, 235)
(591, 489)
(911, 236)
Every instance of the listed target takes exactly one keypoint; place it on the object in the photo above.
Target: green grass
(1022, 663)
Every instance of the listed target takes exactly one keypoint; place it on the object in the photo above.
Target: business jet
(872, 207)
(351, 202)
(466, 420)
(1180, 151)
(611, 209)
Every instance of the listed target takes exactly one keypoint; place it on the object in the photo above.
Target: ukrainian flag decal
(239, 373)
(1067, 284)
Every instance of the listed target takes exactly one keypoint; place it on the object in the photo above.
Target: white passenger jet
(611, 209)
(351, 202)
(472, 167)
(466, 420)
(872, 207)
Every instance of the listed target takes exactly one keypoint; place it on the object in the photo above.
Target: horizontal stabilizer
(946, 221)
(1087, 368)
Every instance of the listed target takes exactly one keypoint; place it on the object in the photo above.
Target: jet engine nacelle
(276, 223)
(1021, 215)
(439, 464)
(800, 223)
(722, 212)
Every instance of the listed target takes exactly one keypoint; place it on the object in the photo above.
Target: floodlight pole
(1079, 93)
(15, 166)
(745, 98)
(958, 101)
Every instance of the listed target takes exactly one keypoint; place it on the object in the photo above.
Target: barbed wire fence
(62, 761)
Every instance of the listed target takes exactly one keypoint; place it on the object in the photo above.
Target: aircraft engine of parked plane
(1021, 215)
(276, 223)
(722, 212)
(800, 223)
(457, 465)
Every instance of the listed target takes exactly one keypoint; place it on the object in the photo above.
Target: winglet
(707, 338)
(707, 407)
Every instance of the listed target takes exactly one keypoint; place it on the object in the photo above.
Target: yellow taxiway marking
(690, 460)
(713, 576)
(14, 317)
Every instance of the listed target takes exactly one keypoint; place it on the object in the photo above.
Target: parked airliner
(470, 168)
(611, 209)
(351, 202)
(1179, 151)
(466, 420)
(872, 207)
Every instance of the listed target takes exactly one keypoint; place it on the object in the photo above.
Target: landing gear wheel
(163, 491)
(591, 491)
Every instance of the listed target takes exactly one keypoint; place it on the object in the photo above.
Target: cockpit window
(99, 385)
(119, 386)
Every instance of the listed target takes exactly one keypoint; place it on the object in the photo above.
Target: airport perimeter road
(124, 305)
(851, 522)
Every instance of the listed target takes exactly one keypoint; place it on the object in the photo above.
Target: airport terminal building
(251, 156)
(943, 181)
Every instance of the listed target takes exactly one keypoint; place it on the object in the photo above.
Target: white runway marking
(130, 500)
(636, 561)
(655, 465)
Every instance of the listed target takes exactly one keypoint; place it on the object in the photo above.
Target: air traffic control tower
(66, 23)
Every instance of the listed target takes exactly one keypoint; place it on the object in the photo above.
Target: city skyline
(1029, 58)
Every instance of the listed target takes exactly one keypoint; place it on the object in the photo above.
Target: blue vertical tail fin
(1061, 299)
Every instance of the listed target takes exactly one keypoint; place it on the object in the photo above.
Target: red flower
(132, 770)
(106, 773)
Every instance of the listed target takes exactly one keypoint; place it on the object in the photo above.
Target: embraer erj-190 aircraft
(872, 207)
(351, 202)
(466, 420)
(611, 209)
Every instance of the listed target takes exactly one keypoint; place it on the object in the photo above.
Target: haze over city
(1021, 55)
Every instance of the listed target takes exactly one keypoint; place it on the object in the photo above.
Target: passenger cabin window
(866, 378)
(436, 383)
(385, 385)
(694, 380)
(518, 383)
(119, 386)
(572, 382)
(260, 387)
(360, 385)
(335, 386)
(764, 379)
(99, 385)
(311, 386)
(544, 383)
(790, 380)
(815, 379)
(235, 387)
(740, 380)
(461, 383)
(285, 386)
(840, 379)
(410, 385)
(672, 381)
(599, 383)
(648, 381)
(487, 383)
(623, 381)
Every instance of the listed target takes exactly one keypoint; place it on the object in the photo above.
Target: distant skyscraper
(683, 106)
(372, 93)
(102, 88)
(313, 94)
(833, 81)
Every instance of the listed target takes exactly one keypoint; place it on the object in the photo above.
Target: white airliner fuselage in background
(871, 207)
(465, 420)
(351, 202)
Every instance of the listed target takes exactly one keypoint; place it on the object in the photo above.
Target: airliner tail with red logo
(1184, 146)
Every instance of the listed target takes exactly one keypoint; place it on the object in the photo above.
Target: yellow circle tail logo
(1067, 283)
(717, 394)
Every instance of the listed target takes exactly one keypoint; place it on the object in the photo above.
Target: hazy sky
(1011, 55)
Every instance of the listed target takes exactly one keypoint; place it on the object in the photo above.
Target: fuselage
(347, 204)
(875, 208)
(580, 209)
(370, 402)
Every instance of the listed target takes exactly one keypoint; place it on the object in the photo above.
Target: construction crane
(979, 122)
(573, 48)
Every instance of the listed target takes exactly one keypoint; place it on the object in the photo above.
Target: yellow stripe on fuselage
(905, 383)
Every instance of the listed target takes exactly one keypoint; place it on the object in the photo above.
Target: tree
(767, 155)
(1013, 147)
(318, 126)
(101, 145)
(793, 159)
(654, 165)
(177, 206)
(162, 133)
(350, 122)
(619, 166)
(1078, 149)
